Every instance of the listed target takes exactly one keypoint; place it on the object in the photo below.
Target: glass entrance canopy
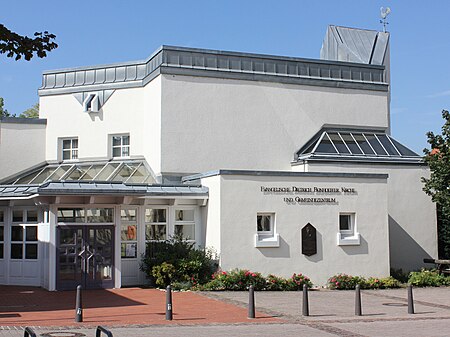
(130, 171)
(354, 144)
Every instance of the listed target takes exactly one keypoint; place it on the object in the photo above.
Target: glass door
(85, 256)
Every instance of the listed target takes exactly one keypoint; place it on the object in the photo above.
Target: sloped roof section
(127, 171)
(356, 146)
(354, 45)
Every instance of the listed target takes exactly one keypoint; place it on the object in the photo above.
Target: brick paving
(136, 312)
(28, 306)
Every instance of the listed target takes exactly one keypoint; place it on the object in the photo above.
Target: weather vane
(384, 13)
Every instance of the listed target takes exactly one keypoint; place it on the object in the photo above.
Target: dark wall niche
(309, 240)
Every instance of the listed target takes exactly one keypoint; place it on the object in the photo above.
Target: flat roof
(284, 174)
(215, 63)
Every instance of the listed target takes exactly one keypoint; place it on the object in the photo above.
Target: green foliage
(3, 111)
(344, 281)
(32, 112)
(347, 282)
(438, 185)
(428, 278)
(163, 274)
(190, 265)
(399, 275)
(241, 279)
(15, 45)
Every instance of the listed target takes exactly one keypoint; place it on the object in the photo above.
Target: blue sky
(101, 32)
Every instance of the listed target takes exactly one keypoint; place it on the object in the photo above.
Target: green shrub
(190, 265)
(345, 282)
(163, 274)
(400, 275)
(238, 279)
(427, 278)
(297, 281)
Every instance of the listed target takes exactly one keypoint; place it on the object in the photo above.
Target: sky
(101, 32)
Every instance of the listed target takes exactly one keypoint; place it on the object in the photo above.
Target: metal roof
(354, 45)
(100, 188)
(213, 63)
(356, 145)
(127, 171)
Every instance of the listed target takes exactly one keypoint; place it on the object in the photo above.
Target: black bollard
(169, 307)
(358, 309)
(410, 300)
(79, 306)
(251, 302)
(305, 309)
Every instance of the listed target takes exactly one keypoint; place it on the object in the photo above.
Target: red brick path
(29, 306)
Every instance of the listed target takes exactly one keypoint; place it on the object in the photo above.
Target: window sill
(347, 240)
(262, 241)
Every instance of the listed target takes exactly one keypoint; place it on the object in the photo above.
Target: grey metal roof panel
(101, 188)
(216, 63)
(258, 173)
(354, 45)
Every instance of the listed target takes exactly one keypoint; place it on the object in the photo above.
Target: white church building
(281, 164)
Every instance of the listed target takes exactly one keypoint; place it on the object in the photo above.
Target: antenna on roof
(384, 13)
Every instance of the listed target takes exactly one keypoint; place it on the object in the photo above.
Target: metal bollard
(28, 332)
(169, 308)
(410, 300)
(101, 330)
(305, 309)
(79, 306)
(358, 309)
(251, 302)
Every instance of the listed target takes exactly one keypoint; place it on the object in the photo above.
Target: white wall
(134, 111)
(21, 147)
(412, 215)
(241, 200)
(210, 123)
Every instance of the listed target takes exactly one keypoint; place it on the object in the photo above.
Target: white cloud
(440, 94)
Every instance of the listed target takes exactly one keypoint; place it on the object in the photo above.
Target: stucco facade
(280, 164)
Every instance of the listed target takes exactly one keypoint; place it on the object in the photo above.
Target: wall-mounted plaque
(309, 240)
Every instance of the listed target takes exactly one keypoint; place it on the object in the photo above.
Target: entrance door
(85, 256)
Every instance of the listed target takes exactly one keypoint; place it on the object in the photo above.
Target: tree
(15, 45)
(3, 111)
(438, 185)
(32, 112)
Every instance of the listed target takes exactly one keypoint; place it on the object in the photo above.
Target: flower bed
(346, 282)
(241, 279)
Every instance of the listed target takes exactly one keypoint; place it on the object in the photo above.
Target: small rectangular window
(68, 215)
(346, 223)
(2, 216)
(185, 224)
(264, 223)
(18, 215)
(155, 224)
(70, 149)
(100, 215)
(120, 146)
(32, 216)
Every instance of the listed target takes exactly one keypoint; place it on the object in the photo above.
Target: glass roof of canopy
(355, 144)
(131, 171)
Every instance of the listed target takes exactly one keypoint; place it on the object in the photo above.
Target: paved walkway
(27, 306)
(137, 312)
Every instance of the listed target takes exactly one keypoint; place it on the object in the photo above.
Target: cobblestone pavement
(332, 314)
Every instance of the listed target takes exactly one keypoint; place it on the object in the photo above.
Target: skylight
(132, 171)
(365, 144)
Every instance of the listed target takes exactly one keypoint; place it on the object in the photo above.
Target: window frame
(71, 149)
(352, 222)
(121, 146)
(24, 224)
(2, 239)
(152, 223)
(133, 241)
(271, 216)
(192, 223)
